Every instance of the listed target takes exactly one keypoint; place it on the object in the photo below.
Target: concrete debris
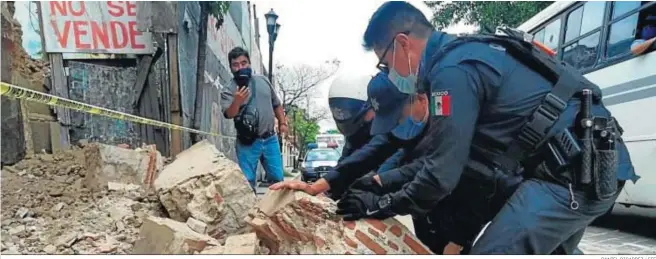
(196, 225)
(109, 220)
(59, 206)
(107, 163)
(17, 230)
(50, 249)
(67, 240)
(289, 222)
(245, 244)
(202, 183)
(22, 212)
(119, 187)
(167, 236)
(216, 250)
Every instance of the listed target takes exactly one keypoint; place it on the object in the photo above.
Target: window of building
(582, 54)
(622, 33)
(584, 19)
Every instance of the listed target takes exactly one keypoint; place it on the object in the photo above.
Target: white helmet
(347, 99)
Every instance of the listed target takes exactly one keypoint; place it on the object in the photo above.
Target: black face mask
(242, 76)
(363, 132)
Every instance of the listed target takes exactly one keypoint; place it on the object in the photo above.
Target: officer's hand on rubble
(369, 183)
(357, 204)
(295, 185)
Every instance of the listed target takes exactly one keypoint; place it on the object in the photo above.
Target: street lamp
(272, 28)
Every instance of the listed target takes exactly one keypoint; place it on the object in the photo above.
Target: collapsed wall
(289, 222)
(205, 185)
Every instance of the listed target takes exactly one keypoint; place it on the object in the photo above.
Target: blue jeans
(265, 150)
(537, 219)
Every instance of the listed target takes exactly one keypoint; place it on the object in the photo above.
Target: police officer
(451, 226)
(498, 105)
(353, 114)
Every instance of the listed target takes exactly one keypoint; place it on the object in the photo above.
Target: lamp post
(272, 28)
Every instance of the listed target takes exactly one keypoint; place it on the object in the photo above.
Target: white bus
(596, 38)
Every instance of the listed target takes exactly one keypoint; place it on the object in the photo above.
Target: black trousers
(459, 217)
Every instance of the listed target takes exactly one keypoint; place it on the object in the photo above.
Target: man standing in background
(252, 102)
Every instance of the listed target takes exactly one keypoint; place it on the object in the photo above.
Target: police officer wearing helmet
(496, 104)
(352, 113)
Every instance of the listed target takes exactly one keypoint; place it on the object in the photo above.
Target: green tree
(304, 127)
(484, 13)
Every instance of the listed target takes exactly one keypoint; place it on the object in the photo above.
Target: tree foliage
(484, 13)
(218, 9)
(304, 127)
(298, 84)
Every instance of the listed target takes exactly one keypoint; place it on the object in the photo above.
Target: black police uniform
(492, 95)
(353, 143)
(459, 217)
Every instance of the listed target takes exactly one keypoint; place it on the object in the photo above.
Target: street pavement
(626, 231)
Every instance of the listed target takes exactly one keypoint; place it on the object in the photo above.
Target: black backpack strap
(566, 80)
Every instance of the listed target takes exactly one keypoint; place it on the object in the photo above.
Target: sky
(26, 15)
(311, 32)
(314, 31)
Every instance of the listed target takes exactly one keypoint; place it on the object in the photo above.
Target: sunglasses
(382, 66)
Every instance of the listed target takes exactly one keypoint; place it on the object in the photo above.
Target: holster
(561, 158)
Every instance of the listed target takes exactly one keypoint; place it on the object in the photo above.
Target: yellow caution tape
(18, 92)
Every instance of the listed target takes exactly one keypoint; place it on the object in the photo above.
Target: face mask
(409, 129)
(242, 76)
(406, 84)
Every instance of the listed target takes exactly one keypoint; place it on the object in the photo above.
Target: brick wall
(296, 223)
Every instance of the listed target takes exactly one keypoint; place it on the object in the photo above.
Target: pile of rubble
(128, 201)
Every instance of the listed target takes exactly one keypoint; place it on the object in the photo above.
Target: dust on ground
(47, 210)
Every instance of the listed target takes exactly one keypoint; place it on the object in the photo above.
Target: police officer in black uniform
(353, 113)
(499, 104)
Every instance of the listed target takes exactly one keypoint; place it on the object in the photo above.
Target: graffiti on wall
(107, 87)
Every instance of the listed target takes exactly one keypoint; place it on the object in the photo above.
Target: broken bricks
(289, 222)
(204, 184)
(167, 236)
(105, 164)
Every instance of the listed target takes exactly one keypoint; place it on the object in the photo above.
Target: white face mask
(406, 85)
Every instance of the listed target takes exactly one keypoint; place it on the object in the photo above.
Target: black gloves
(368, 184)
(357, 204)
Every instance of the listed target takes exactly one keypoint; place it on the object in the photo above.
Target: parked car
(317, 163)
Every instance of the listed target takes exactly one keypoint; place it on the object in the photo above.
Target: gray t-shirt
(265, 101)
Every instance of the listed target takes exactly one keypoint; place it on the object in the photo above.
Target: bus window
(549, 35)
(552, 35)
(583, 53)
(620, 7)
(539, 36)
(584, 19)
(621, 36)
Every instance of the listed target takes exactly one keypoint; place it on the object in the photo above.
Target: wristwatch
(385, 201)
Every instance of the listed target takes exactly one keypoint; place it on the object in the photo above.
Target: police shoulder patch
(441, 103)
